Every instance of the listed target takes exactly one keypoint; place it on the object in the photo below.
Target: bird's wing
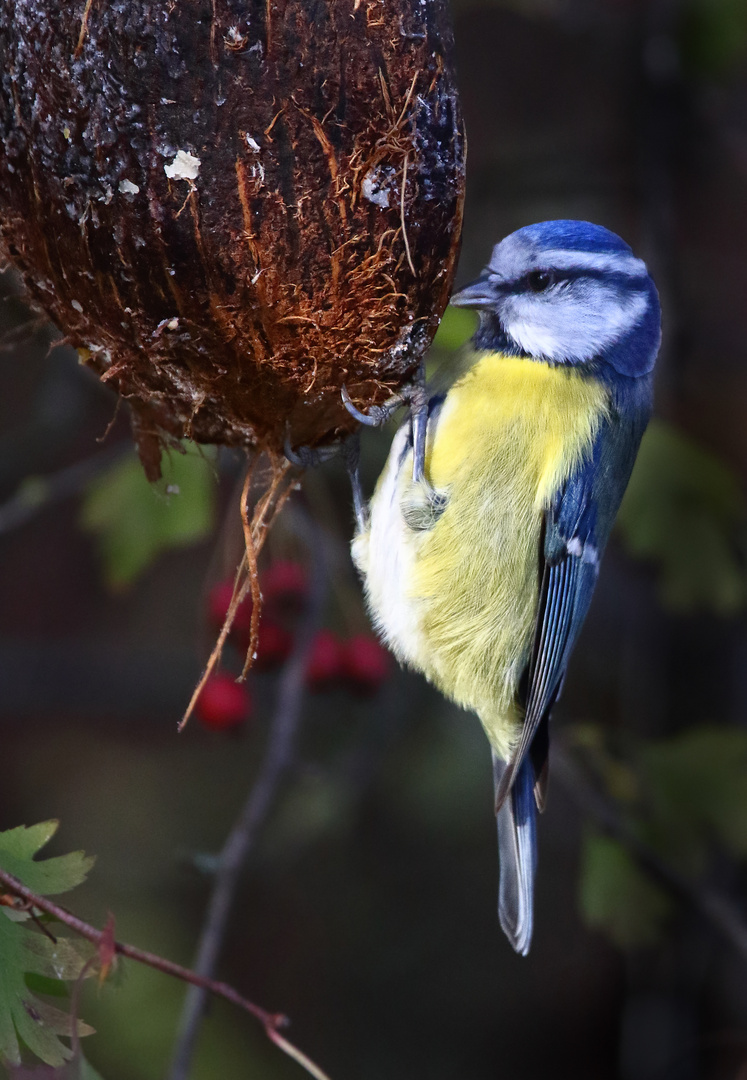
(568, 581)
(576, 528)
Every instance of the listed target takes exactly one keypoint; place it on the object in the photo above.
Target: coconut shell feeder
(233, 208)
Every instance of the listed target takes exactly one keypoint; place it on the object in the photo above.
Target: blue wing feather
(577, 527)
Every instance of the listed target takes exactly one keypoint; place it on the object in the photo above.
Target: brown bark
(306, 236)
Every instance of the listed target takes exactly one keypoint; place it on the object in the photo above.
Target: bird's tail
(517, 852)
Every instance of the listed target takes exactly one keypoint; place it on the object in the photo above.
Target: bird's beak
(480, 294)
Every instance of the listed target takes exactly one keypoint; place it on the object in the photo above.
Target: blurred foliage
(696, 792)
(714, 35)
(617, 896)
(685, 797)
(685, 512)
(24, 1018)
(457, 327)
(134, 521)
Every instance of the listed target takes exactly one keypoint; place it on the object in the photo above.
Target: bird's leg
(307, 457)
(416, 397)
(419, 423)
(351, 454)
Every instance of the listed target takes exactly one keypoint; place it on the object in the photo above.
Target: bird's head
(568, 292)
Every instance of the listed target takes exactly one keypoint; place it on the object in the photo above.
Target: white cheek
(565, 327)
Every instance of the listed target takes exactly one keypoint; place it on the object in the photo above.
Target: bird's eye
(539, 280)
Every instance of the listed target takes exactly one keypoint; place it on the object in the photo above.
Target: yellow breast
(510, 433)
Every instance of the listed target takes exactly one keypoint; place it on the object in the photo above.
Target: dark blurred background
(368, 909)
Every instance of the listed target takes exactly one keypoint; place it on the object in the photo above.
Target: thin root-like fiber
(281, 483)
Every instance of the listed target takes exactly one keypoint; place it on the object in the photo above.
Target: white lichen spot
(234, 39)
(166, 324)
(375, 187)
(173, 489)
(251, 143)
(77, 305)
(185, 166)
(128, 188)
(102, 354)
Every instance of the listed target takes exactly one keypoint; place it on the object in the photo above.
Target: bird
(480, 548)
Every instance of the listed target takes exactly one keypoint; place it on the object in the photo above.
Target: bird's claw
(306, 457)
(377, 415)
(416, 397)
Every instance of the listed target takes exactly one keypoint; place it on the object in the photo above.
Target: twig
(270, 1021)
(38, 492)
(717, 909)
(278, 757)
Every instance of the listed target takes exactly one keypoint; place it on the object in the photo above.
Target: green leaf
(26, 953)
(75, 1069)
(617, 897)
(685, 512)
(134, 521)
(57, 875)
(87, 1071)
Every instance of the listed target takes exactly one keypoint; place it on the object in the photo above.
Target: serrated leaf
(49, 877)
(134, 521)
(76, 1069)
(685, 512)
(25, 951)
(618, 897)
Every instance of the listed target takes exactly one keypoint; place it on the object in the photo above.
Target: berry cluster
(359, 663)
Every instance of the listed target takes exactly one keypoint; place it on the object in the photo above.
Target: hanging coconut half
(234, 207)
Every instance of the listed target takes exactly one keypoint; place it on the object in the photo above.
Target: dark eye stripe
(532, 282)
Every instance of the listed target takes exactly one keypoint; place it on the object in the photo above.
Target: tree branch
(715, 908)
(36, 493)
(271, 1022)
(241, 840)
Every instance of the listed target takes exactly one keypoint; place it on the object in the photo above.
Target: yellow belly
(510, 433)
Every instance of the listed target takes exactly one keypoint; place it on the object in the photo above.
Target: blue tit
(480, 574)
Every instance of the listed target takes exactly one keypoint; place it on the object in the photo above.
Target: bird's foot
(351, 455)
(307, 457)
(377, 415)
(415, 396)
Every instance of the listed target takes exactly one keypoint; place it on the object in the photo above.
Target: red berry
(223, 704)
(284, 580)
(326, 664)
(219, 602)
(273, 646)
(367, 663)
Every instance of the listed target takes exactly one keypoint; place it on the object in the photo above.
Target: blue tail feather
(517, 852)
